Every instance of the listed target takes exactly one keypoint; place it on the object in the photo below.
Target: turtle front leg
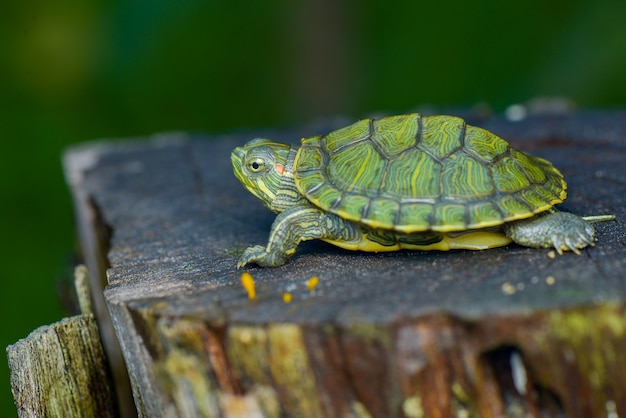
(291, 227)
(561, 230)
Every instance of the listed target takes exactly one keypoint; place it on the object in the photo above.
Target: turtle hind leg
(561, 230)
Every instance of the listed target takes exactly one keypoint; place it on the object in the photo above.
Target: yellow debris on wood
(248, 283)
(312, 282)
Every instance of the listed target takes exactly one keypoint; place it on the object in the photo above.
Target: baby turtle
(406, 182)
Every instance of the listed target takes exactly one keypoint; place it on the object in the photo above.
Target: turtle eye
(256, 166)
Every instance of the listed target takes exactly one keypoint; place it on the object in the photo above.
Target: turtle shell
(413, 173)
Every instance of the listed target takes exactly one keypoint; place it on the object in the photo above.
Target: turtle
(406, 182)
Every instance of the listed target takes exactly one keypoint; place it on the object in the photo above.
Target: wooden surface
(60, 371)
(412, 334)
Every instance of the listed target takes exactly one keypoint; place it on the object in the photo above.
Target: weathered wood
(509, 331)
(94, 236)
(60, 371)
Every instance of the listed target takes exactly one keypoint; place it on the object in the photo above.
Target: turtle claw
(261, 256)
(577, 236)
(251, 255)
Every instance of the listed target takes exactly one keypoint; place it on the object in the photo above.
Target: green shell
(414, 173)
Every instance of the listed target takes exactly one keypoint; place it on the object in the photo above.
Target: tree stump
(506, 332)
(60, 370)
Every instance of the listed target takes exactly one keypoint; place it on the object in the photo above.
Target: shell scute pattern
(513, 207)
(484, 212)
(415, 215)
(394, 135)
(311, 155)
(383, 212)
(441, 136)
(449, 217)
(413, 173)
(354, 205)
(483, 145)
(531, 166)
(404, 179)
(465, 178)
(348, 136)
(358, 169)
(508, 176)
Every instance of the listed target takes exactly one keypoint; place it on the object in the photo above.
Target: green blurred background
(71, 71)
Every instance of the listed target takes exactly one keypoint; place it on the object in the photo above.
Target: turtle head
(265, 169)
